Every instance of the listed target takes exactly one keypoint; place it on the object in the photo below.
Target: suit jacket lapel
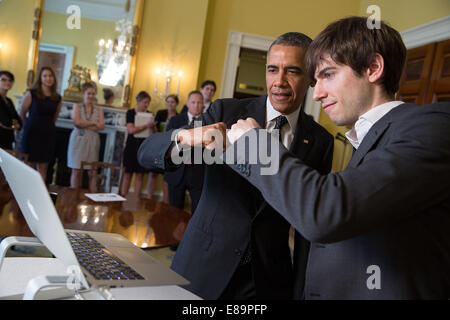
(303, 139)
(185, 118)
(374, 134)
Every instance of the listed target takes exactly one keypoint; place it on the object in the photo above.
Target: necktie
(280, 121)
(192, 121)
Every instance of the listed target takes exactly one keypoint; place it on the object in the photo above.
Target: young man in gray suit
(380, 229)
(236, 245)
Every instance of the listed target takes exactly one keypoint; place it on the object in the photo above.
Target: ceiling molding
(434, 31)
(107, 10)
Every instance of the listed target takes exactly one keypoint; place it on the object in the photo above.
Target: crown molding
(434, 31)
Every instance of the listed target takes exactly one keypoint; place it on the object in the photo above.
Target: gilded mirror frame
(33, 53)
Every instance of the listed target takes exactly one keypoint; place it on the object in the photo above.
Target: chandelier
(113, 56)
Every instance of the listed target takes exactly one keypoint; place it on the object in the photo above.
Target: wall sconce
(169, 75)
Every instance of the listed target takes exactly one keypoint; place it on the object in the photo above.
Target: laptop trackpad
(112, 239)
(133, 255)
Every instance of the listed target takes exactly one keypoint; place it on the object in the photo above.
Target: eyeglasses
(6, 80)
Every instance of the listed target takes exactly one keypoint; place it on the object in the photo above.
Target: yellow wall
(172, 32)
(406, 14)
(16, 19)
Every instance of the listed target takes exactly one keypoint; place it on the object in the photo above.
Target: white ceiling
(109, 10)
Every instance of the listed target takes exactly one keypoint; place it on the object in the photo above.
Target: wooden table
(145, 222)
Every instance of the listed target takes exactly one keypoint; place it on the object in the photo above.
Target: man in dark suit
(236, 245)
(188, 176)
(208, 89)
(380, 229)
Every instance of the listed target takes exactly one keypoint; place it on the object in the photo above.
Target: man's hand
(240, 128)
(210, 136)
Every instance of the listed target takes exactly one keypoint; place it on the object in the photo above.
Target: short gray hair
(294, 39)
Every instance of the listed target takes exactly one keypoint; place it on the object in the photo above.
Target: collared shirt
(190, 117)
(288, 130)
(206, 106)
(367, 120)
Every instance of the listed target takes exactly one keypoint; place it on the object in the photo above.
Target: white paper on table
(143, 118)
(104, 197)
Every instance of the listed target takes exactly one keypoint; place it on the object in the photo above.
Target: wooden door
(416, 73)
(439, 88)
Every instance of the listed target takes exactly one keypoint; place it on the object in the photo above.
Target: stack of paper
(143, 118)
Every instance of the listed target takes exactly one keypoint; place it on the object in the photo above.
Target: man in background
(208, 89)
(188, 176)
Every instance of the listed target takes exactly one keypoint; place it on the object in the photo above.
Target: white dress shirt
(190, 117)
(367, 120)
(288, 130)
(206, 106)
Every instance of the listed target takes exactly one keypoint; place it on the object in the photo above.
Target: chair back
(18, 155)
(108, 174)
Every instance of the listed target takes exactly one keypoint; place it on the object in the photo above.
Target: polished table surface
(145, 222)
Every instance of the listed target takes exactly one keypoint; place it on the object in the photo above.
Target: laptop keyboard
(98, 260)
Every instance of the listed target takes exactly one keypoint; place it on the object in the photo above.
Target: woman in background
(108, 95)
(84, 142)
(130, 161)
(163, 115)
(9, 119)
(162, 118)
(42, 103)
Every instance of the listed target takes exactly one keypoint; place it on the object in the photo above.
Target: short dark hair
(174, 97)
(7, 73)
(88, 85)
(194, 92)
(351, 42)
(143, 95)
(294, 39)
(107, 93)
(208, 82)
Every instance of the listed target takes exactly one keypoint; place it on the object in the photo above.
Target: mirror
(90, 39)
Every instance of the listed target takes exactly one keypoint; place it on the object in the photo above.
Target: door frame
(69, 53)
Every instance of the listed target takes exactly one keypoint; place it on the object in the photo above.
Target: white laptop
(106, 259)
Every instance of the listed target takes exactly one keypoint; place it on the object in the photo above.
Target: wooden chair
(108, 174)
(18, 155)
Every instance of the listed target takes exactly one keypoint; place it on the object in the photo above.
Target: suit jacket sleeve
(327, 160)
(152, 152)
(406, 176)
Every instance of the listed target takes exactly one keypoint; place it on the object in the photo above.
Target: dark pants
(190, 182)
(241, 285)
